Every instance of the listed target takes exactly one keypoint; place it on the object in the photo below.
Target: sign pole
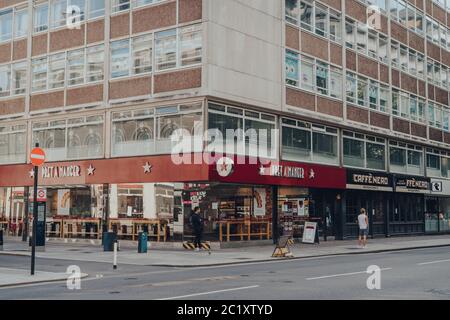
(35, 217)
(37, 157)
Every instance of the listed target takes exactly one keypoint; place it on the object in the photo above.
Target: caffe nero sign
(412, 184)
(365, 180)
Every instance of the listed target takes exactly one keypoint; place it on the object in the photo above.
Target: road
(413, 274)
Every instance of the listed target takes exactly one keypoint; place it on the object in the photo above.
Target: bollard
(1, 239)
(115, 256)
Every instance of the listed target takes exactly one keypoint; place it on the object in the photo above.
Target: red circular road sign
(37, 157)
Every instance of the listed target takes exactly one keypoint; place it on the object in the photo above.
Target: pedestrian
(363, 224)
(197, 225)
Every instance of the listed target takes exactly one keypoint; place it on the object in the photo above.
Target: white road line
(343, 274)
(433, 262)
(210, 292)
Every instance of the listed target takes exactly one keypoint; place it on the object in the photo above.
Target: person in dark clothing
(197, 225)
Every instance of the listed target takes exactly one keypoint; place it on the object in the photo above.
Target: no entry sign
(37, 157)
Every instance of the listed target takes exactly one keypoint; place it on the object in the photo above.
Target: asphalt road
(413, 274)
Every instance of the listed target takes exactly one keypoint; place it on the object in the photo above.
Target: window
(306, 15)
(166, 49)
(5, 80)
(354, 151)
(372, 44)
(335, 82)
(375, 151)
(433, 163)
(361, 38)
(292, 11)
(190, 45)
(237, 131)
(395, 54)
(292, 68)
(120, 58)
(96, 8)
(41, 18)
(362, 91)
(142, 54)
(307, 73)
(39, 74)
(6, 18)
(321, 20)
(19, 77)
(364, 151)
(322, 77)
(350, 34)
(76, 65)
(120, 5)
(308, 142)
(76, 138)
(58, 10)
(373, 94)
(57, 70)
(21, 23)
(406, 158)
(95, 63)
(351, 87)
(12, 144)
(335, 26)
(301, 71)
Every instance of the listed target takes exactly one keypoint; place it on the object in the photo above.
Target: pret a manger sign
(58, 172)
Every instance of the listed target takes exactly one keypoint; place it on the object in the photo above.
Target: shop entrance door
(376, 207)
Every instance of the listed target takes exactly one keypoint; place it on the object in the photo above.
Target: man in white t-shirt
(363, 224)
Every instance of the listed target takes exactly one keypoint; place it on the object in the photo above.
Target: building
(359, 98)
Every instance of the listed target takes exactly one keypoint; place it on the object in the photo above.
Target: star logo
(31, 173)
(147, 168)
(90, 170)
(225, 166)
(312, 174)
(262, 171)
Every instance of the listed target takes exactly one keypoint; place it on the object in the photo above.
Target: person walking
(363, 224)
(197, 225)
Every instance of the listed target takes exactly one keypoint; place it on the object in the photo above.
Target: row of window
(366, 92)
(367, 41)
(323, 21)
(69, 68)
(173, 48)
(302, 141)
(52, 14)
(314, 75)
(315, 17)
(149, 131)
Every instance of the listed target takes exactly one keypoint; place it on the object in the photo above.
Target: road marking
(178, 282)
(209, 292)
(343, 274)
(433, 262)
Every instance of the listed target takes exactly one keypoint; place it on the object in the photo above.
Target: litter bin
(108, 241)
(142, 242)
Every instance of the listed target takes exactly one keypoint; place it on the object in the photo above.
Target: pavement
(183, 258)
(13, 277)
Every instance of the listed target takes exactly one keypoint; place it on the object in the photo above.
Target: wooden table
(245, 229)
(137, 225)
(77, 223)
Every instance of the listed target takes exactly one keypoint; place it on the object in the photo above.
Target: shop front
(372, 191)
(437, 207)
(407, 216)
(239, 202)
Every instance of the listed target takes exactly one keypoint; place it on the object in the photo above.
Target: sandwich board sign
(309, 233)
